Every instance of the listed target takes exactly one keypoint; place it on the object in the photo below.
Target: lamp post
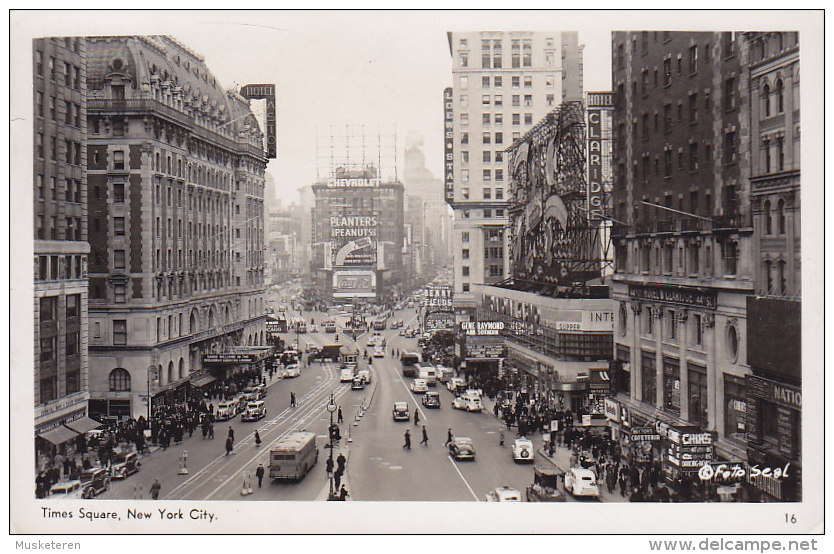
(151, 371)
(331, 407)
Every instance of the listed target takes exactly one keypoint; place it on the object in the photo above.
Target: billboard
(600, 178)
(353, 284)
(440, 320)
(438, 297)
(449, 144)
(353, 240)
(774, 325)
(265, 92)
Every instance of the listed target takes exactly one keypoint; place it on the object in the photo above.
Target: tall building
(683, 241)
(60, 247)
(358, 236)
(494, 100)
(176, 179)
(774, 389)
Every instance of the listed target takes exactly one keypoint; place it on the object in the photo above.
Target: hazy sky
(379, 68)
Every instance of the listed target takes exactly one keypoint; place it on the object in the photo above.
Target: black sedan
(462, 448)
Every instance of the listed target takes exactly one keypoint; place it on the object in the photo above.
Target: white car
(314, 329)
(419, 386)
(292, 371)
(453, 383)
(467, 402)
(347, 376)
(581, 482)
(226, 411)
(379, 352)
(523, 450)
(503, 494)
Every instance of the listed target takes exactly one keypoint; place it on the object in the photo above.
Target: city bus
(379, 324)
(410, 361)
(293, 456)
(299, 325)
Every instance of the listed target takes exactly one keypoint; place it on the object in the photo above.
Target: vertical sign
(265, 92)
(449, 142)
(600, 105)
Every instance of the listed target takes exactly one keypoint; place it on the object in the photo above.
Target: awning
(569, 387)
(59, 435)
(83, 425)
(203, 381)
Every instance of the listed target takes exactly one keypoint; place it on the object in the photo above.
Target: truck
(409, 361)
(426, 371)
(329, 352)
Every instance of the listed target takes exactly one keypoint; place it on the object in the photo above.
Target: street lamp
(151, 371)
(331, 407)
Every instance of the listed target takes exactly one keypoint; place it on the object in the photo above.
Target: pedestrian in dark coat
(229, 445)
(329, 466)
(343, 493)
(155, 489)
(339, 415)
(259, 473)
(257, 438)
(341, 461)
(448, 437)
(425, 437)
(337, 477)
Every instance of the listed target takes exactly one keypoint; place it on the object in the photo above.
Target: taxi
(254, 411)
(503, 494)
(226, 411)
(523, 450)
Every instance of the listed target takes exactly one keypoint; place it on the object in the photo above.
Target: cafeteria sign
(644, 434)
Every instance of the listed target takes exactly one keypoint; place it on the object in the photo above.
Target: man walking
(343, 493)
(259, 473)
(339, 415)
(337, 477)
(407, 440)
(155, 489)
(341, 461)
(425, 439)
(416, 416)
(449, 437)
(292, 400)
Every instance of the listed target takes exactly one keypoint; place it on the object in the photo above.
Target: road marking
(395, 467)
(465, 482)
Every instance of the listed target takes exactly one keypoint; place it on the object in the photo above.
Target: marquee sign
(265, 92)
(600, 178)
(228, 358)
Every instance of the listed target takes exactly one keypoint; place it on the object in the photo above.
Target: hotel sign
(674, 295)
(600, 107)
(265, 92)
(449, 144)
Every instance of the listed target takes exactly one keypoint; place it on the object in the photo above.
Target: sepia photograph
(406, 260)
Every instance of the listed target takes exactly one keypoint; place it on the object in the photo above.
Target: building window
(780, 216)
(499, 119)
(766, 100)
(119, 294)
(732, 343)
(49, 389)
(464, 236)
(48, 308)
(464, 138)
(485, 81)
(485, 119)
(648, 322)
(495, 270)
(693, 59)
(499, 138)
(697, 330)
(118, 159)
(780, 152)
(119, 380)
(464, 100)
(465, 287)
(486, 138)
(528, 119)
(766, 152)
(698, 405)
(735, 408)
(649, 378)
(672, 385)
(729, 94)
(464, 192)
(780, 97)
(667, 72)
(487, 194)
(730, 257)
(465, 271)
(464, 254)
(119, 226)
(516, 119)
(730, 147)
(120, 331)
(73, 305)
(498, 81)
(768, 218)
(119, 259)
(73, 343)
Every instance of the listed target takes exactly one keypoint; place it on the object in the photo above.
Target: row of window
(487, 213)
(486, 192)
(486, 177)
(497, 81)
(72, 189)
(72, 229)
(498, 118)
(669, 258)
(48, 307)
(49, 385)
(72, 73)
(486, 137)
(72, 111)
(49, 346)
(72, 149)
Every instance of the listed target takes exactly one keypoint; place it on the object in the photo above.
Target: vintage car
(226, 410)
(66, 489)
(379, 351)
(462, 448)
(503, 494)
(365, 375)
(468, 402)
(255, 392)
(94, 481)
(124, 465)
(419, 386)
(455, 384)
(545, 487)
(347, 375)
(291, 371)
(431, 399)
(401, 411)
(523, 450)
(357, 384)
(254, 411)
(581, 482)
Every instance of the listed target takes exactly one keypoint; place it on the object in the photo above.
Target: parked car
(503, 494)
(545, 487)
(225, 411)
(431, 399)
(401, 411)
(124, 465)
(254, 411)
(581, 482)
(347, 375)
(255, 392)
(462, 448)
(419, 386)
(523, 450)
(94, 481)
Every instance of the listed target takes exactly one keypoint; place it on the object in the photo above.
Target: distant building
(358, 236)
(61, 380)
(176, 202)
(502, 82)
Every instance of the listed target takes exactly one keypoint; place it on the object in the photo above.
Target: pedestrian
(339, 415)
(341, 461)
(329, 466)
(155, 489)
(231, 433)
(416, 416)
(449, 437)
(343, 493)
(407, 440)
(257, 438)
(259, 473)
(337, 478)
(501, 437)
(229, 445)
(211, 430)
(425, 437)
(292, 400)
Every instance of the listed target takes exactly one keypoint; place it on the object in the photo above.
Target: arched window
(780, 216)
(766, 100)
(211, 318)
(768, 219)
(182, 368)
(783, 288)
(768, 266)
(119, 380)
(171, 371)
(780, 96)
(192, 323)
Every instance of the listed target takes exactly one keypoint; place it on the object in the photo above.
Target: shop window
(735, 408)
(672, 385)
